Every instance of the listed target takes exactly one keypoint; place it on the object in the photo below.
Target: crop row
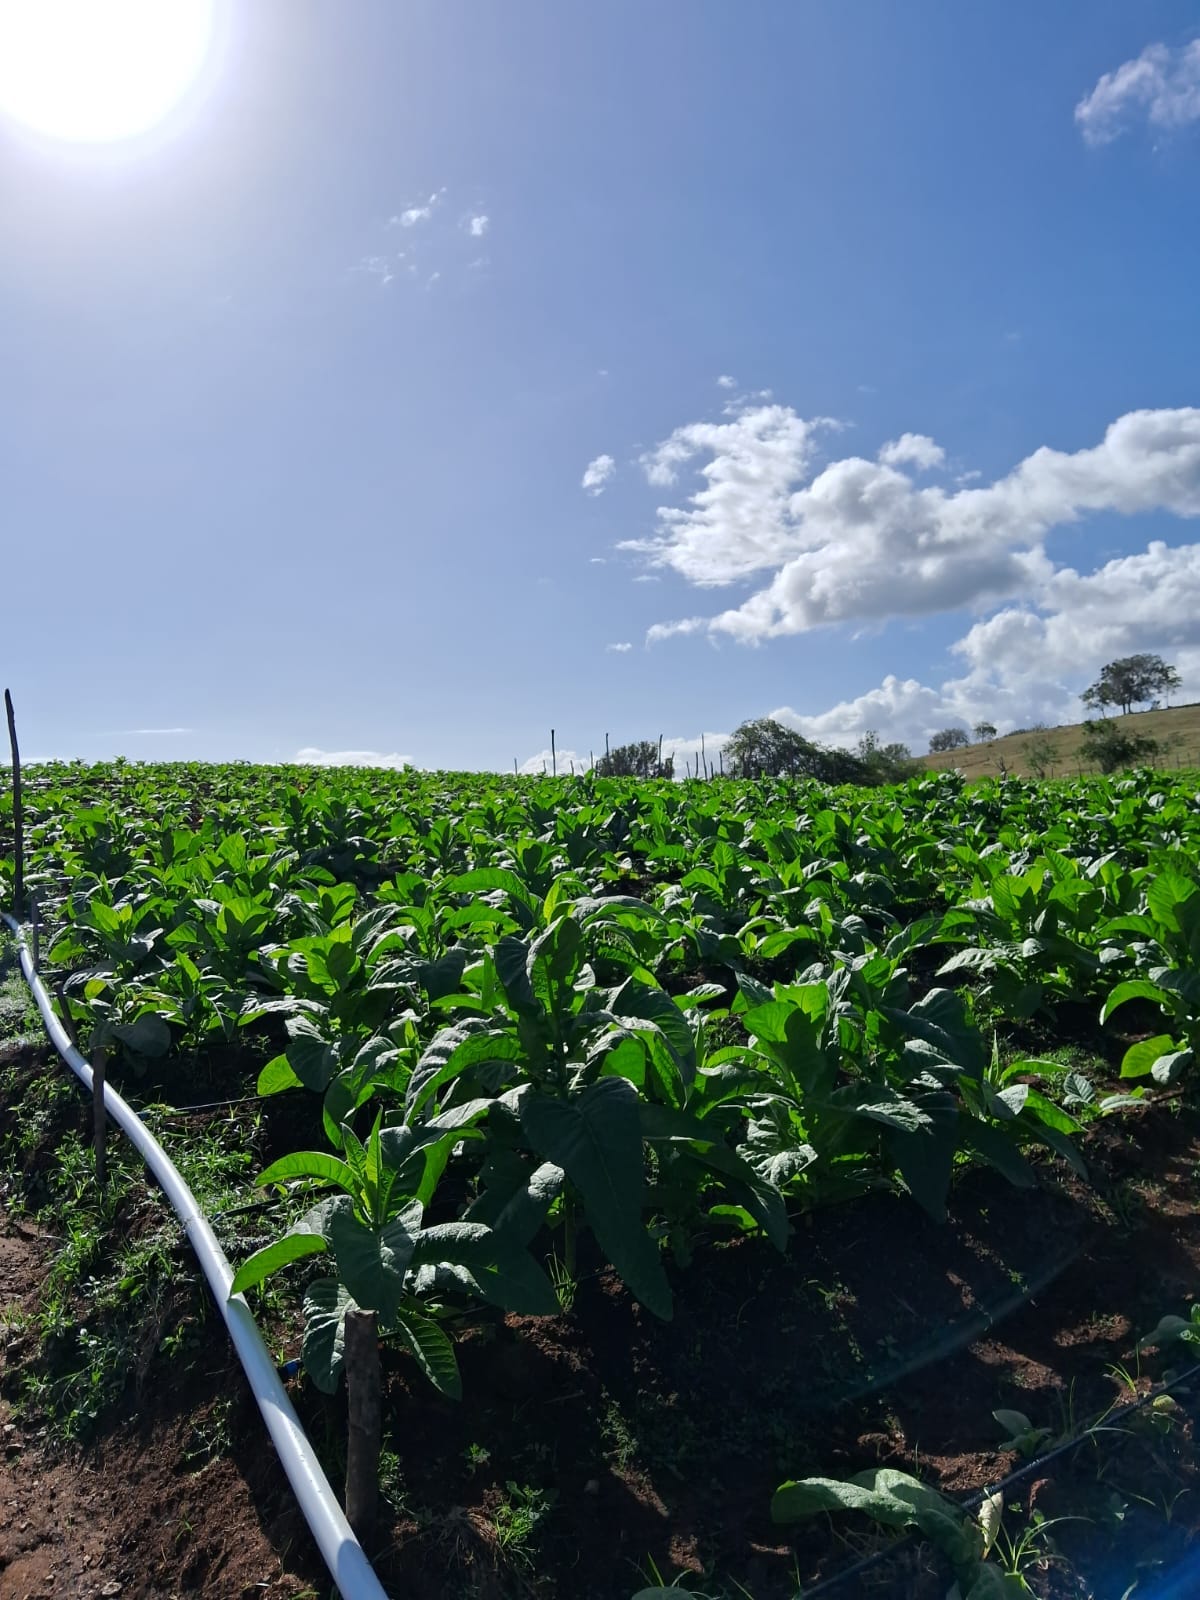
(547, 1017)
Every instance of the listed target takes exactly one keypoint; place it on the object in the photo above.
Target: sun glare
(98, 70)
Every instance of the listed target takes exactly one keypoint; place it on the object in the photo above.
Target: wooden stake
(99, 1118)
(364, 1418)
(553, 757)
(18, 811)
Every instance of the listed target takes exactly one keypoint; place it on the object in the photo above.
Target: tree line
(765, 748)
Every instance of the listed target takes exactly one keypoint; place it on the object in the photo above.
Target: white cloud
(860, 542)
(682, 749)
(477, 226)
(619, 649)
(381, 267)
(421, 212)
(739, 522)
(143, 733)
(1162, 83)
(726, 382)
(1025, 665)
(912, 449)
(597, 474)
(311, 756)
(675, 630)
(598, 561)
(535, 763)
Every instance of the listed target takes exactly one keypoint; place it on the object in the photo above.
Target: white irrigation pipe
(344, 1556)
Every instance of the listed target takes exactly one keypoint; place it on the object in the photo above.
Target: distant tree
(637, 760)
(1111, 748)
(985, 731)
(884, 763)
(764, 748)
(1040, 752)
(949, 739)
(1130, 681)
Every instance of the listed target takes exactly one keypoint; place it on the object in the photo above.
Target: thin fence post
(18, 811)
(553, 757)
(365, 1415)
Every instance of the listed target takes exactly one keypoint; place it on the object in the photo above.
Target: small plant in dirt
(895, 1499)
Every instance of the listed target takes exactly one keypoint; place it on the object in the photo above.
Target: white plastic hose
(343, 1555)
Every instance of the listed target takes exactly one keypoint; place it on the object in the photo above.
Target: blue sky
(294, 442)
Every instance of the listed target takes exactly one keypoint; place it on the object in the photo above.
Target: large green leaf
(318, 1165)
(1133, 989)
(892, 1498)
(998, 1149)
(596, 1138)
(433, 1351)
(452, 1052)
(372, 1262)
(268, 1260)
(493, 1266)
(925, 1158)
(326, 1303)
(1139, 1060)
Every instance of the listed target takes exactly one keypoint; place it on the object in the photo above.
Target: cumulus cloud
(311, 756)
(619, 649)
(1027, 664)
(477, 226)
(739, 522)
(913, 450)
(597, 474)
(859, 542)
(1162, 84)
(726, 382)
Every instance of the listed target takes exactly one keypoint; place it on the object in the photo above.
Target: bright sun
(99, 69)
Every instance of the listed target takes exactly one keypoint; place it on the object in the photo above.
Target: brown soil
(148, 1512)
(881, 1339)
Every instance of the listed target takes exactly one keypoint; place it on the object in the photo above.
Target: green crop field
(510, 1037)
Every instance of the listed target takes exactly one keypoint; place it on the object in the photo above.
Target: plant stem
(569, 1234)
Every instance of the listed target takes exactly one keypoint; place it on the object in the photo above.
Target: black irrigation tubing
(878, 1557)
(961, 1332)
(204, 1105)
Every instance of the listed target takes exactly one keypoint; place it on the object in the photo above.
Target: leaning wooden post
(18, 811)
(99, 1118)
(364, 1416)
